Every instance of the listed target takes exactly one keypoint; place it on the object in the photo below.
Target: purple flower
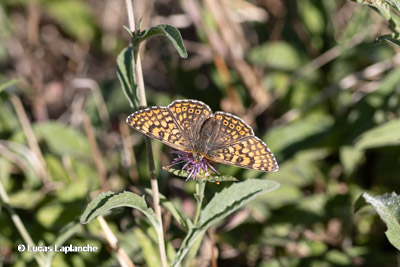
(194, 163)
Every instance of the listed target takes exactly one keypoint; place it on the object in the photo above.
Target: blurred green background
(304, 74)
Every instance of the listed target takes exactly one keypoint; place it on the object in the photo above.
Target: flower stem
(199, 196)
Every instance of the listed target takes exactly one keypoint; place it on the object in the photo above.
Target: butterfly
(190, 126)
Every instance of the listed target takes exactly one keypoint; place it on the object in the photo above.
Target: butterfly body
(190, 126)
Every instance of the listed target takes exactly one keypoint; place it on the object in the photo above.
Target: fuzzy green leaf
(222, 205)
(127, 78)
(106, 201)
(168, 31)
(388, 208)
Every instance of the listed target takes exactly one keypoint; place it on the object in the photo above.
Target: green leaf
(338, 258)
(312, 17)
(211, 178)
(222, 205)
(26, 199)
(168, 31)
(73, 16)
(148, 248)
(305, 131)
(388, 208)
(232, 198)
(4, 85)
(278, 55)
(62, 139)
(106, 201)
(360, 203)
(350, 157)
(127, 78)
(390, 38)
(384, 135)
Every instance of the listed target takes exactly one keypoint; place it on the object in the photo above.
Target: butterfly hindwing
(158, 123)
(249, 153)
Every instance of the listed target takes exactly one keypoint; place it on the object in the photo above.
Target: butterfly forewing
(190, 116)
(248, 153)
(158, 123)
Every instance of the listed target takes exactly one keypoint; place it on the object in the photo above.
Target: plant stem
(143, 103)
(199, 196)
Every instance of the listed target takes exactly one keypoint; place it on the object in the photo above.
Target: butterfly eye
(197, 111)
(238, 128)
(190, 110)
(231, 126)
(184, 108)
(226, 122)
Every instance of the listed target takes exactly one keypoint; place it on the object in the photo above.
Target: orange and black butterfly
(190, 126)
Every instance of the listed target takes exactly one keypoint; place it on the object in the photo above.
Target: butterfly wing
(233, 143)
(190, 116)
(159, 123)
(249, 153)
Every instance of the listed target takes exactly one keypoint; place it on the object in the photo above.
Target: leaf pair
(126, 62)
(221, 205)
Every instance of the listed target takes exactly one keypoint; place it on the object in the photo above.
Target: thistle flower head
(194, 163)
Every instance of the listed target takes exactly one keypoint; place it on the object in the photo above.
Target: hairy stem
(199, 196)
(143, 103)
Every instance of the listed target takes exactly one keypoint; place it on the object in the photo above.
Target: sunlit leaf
(305, 131)
(350, 157)
(26, 199)
(73, 16)
(62, 139)
(388, 208)
(387, 134)
(279, 55)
